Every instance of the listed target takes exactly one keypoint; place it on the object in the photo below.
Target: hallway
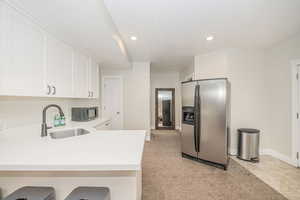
(167, 176)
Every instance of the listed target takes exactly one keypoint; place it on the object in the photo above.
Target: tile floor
(168, 176)
(281, 176)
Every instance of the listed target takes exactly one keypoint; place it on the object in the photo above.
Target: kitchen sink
(68, 133)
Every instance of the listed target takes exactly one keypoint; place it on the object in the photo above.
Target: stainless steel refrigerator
(205, 121)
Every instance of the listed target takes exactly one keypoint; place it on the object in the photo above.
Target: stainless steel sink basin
(68, 133)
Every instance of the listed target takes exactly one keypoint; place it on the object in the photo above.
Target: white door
(22, 55)
(59, 68)
(112, 98)
(298, 117)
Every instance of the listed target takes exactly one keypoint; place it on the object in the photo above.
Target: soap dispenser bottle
(62, 121)
(56, 120)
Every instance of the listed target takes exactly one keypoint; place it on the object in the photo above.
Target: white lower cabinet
(33, 63)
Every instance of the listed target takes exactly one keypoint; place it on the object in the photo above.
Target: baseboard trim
(148, 136)
(279, 156)
(233, 152)
(273, 153)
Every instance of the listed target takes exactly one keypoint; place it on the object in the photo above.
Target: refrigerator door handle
(196, 118)
(199, 120)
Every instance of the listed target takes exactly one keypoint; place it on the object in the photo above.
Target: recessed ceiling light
(209, 38)
(133, 38)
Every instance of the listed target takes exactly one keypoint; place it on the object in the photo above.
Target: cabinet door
(94, 79)
(59, 68)
(80, 76)
(22, 66)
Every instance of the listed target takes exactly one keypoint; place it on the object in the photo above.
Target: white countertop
(23, 149)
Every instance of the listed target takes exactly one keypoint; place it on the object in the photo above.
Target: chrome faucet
(44, 124)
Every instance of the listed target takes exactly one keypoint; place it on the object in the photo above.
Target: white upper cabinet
(59, 68)
(93, 79)
(22, 55)
(80, 76)
(33, 63)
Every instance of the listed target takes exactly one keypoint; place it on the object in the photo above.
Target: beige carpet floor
(168, 176)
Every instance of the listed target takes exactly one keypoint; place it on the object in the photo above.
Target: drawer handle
(49, 89)
(54, 90)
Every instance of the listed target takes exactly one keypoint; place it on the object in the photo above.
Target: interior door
(298, 119)
(213, 134)
(188, 139)
(112, 101)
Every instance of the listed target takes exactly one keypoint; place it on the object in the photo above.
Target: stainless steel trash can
(89, 193)
(248, 144)
(32, 193)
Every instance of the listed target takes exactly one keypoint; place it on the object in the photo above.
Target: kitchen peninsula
(101, 158)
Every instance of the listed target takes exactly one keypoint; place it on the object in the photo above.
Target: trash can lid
(248, 130)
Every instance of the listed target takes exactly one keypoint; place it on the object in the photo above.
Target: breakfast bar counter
(100, 158)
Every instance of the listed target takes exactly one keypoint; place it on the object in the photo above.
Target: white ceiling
(170, 32)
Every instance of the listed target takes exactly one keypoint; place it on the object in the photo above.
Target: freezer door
(187, 93)
(188, 142)
(213, 134)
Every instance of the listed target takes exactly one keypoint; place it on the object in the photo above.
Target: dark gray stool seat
(32, 193)
(89, 193)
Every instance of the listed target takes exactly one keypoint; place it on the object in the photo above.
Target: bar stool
(89, 193)
(32, 193)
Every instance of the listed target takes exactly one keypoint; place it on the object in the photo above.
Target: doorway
(112, 100)
(165, 108)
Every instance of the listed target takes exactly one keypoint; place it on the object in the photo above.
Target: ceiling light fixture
(209, 38)
(133, 38)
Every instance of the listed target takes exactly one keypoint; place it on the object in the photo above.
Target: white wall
(166, 79)
(136, 86)
(278, 59)
(249, 93)
(211, 65)
(186, 72)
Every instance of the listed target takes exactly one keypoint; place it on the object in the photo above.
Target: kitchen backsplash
(22, 111)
